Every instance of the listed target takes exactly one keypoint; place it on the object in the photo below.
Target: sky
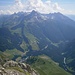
(42, 6)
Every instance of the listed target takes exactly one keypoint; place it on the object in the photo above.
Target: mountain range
(24, 35)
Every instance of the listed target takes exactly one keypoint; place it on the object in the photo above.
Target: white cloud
(43, 7)
(38, 5)
(57, 8)
(17, 7)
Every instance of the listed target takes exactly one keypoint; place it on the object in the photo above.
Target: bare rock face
(22, 65)
(14, 68)
(10, 72)
(10, 64)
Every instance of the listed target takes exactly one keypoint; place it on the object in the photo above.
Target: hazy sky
(42, 6)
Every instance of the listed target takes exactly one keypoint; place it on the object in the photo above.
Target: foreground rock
(14, 68)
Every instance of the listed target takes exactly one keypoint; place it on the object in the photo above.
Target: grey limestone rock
(15, 68)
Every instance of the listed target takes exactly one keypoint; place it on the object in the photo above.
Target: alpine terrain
(44, 41)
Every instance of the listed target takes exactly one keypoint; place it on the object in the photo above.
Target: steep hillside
(72, 17)
(45, 66)
(70, 56)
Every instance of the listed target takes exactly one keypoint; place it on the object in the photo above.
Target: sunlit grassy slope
(45, 66)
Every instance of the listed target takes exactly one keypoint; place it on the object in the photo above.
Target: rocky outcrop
(10, 64)
(15, 68)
